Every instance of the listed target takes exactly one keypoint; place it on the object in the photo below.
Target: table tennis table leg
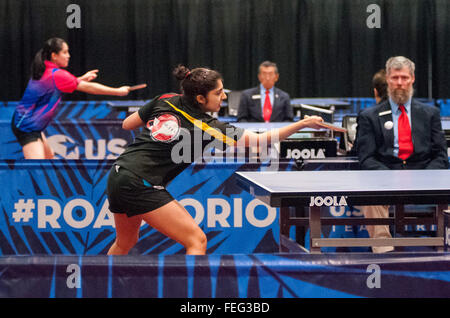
(315, 226)
(399, 219)
(440, 223)
(300, 230)
(284, 226)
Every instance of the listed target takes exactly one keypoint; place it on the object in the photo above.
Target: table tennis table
(317, 189)
(130, 106)
(329, 103)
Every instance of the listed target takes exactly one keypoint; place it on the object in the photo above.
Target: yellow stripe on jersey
(205, 127)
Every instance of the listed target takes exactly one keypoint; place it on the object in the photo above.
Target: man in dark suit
(399, 133)
(380, 93)
(266, 102)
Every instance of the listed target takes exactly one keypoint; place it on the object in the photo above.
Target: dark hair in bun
(199, 81)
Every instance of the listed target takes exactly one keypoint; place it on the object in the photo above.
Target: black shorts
(127, 193)
(25, 137)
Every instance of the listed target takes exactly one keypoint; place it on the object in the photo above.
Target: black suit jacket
(376, 143)
(250, 106)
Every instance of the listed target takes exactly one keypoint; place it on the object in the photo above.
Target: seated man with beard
(399, 133)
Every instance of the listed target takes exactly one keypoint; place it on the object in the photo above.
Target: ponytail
(38, 66)
(53, 45)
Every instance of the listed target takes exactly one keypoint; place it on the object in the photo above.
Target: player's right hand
(123, 90)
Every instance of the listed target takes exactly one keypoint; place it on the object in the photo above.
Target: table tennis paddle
(136, 87)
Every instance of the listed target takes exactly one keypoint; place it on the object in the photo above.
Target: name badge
(256, 97)
(387, 112)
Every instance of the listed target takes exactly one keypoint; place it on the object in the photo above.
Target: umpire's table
(313, 189)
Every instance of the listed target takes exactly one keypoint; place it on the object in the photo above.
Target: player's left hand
(89, 76)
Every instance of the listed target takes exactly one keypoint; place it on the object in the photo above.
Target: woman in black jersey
(138, 179)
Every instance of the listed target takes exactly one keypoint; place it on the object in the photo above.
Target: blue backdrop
(60, 206)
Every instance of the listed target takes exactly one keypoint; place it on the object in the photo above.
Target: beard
(400, 96)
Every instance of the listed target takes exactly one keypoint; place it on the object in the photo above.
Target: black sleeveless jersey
(176, 133)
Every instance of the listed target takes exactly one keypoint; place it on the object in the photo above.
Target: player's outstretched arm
(100, 89)
(251, 138)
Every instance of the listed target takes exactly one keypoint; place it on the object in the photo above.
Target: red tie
(405, 144)
(267, 110)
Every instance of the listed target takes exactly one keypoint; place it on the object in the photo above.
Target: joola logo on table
(305, 153)
(328, 201)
